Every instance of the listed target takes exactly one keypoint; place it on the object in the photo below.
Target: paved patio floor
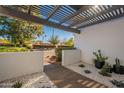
(65, 78)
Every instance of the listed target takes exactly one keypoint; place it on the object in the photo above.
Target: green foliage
(4, 41)
(19, 31)
(18, 84)
(106, 69)
(54, 40)
(69, 42)
(12, 49)
(58, 53)
(119, 84)
(5, 26)
(99, 56)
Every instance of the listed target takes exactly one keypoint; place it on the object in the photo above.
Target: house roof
(40, 43)
(67, 17)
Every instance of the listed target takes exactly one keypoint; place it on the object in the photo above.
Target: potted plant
(117, 68)
(106, 70)
(100, 60)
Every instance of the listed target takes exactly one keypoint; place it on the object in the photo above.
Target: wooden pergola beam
(5, 11)
(108, 19)
(75, 14)
(101, 13)
(53, 11)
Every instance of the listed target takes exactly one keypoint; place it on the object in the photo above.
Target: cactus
(117, 66)
(117, 62)
(99, 56)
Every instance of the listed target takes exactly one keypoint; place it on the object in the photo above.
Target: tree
(5, 26)
(54, 40)
(69, 42)
(19, 31)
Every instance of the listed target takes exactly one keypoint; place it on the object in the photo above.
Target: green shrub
(27, 46)
(12, 49)
(18, 84)
(107, 68)
(58, 54)
(119, 84)
(105, 71)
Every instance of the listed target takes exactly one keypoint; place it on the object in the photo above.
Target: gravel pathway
(35, 80)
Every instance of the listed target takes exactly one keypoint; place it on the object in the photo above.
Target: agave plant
(18, 84)
(119, 84)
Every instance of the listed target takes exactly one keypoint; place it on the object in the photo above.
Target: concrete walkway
(65, 78)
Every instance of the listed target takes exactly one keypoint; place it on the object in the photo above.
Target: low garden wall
(14, 64)
(71, 56)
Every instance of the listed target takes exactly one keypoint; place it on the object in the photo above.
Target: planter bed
(94, 73)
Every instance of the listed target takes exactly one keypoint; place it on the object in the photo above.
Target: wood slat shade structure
(70, 18)
(53, 12)
(83, 8)
(25, 16)
(115, 10)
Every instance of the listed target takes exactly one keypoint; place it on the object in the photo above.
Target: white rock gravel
(95, 75)
(35, 80)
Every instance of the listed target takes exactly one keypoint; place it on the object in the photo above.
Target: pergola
(70, 18)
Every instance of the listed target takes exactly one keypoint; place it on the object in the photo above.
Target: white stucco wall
(107, 36)
(70, 56)
(16, 64)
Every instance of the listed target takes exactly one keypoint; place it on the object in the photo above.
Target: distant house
(40, 44)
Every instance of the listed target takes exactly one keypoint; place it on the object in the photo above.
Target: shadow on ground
(65, 78)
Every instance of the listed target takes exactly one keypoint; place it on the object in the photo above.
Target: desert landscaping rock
(95, 75)
(35, 80)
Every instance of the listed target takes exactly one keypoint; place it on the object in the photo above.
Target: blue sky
(48, 31)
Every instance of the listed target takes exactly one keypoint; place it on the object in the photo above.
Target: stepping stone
(85, 82)
(96, 85)
(90, 84)
(67, 86)
(79, 81)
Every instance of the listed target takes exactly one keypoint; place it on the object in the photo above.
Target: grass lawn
(12, 49)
